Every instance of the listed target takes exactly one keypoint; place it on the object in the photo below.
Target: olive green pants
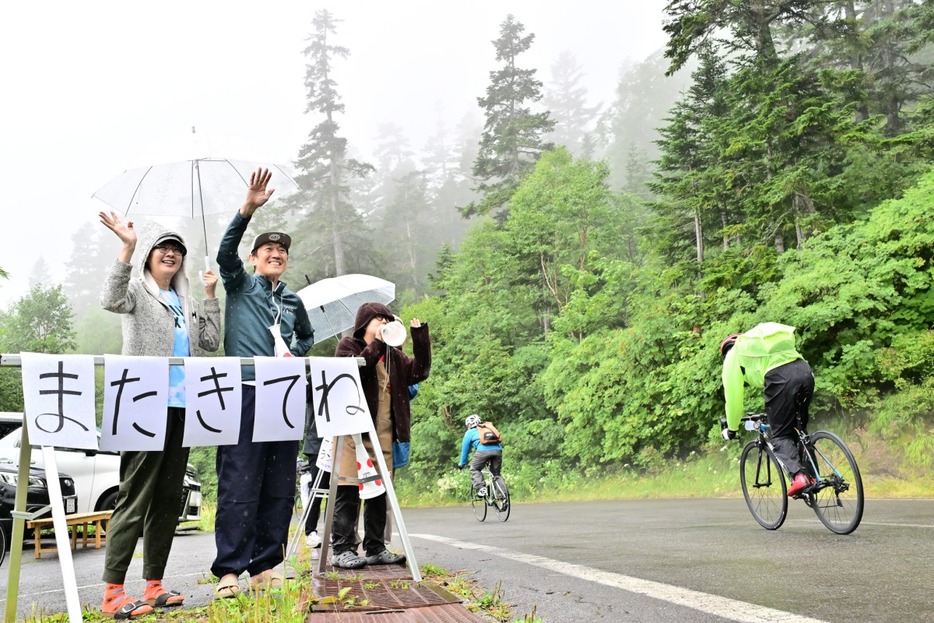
(148, 505)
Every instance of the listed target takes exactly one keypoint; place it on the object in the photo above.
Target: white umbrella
(195, 185)
(332, 303)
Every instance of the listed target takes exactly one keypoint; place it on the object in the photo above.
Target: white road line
(896, 525)
(712, 604)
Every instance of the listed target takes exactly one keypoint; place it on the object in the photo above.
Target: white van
(96, 473)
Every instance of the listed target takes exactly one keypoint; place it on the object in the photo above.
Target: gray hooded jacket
(148, 322)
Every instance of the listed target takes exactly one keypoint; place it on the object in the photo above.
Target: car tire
(3, 547)
(107, 503)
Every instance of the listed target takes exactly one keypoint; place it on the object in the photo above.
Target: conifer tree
(84, 274)
(324, 165)
(512, 135)
(566, 100)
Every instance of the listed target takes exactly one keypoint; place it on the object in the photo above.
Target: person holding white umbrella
(160, 319)
(256, 481)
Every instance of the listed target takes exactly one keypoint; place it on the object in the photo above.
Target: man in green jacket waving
(765, 357)
(256, 480)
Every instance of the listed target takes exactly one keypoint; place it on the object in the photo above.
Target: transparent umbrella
(332, 303)
(194, 186)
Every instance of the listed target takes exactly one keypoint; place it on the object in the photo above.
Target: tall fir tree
(326, 217)
(84, 272)
(566, 100)
(512, 135)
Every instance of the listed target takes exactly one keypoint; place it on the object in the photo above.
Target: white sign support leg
(316, 492)
(394, 502)
(339, 450)
(62, 542)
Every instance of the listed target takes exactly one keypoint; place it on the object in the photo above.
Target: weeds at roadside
(529, 618)
(291, 604)
(492, 602)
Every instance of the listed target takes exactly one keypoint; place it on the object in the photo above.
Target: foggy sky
(91, 86)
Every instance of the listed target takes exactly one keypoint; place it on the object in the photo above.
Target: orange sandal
(120, 606)
(158, 597)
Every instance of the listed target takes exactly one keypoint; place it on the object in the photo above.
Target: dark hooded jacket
(403, 370)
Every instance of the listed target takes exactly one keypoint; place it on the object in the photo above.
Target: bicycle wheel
(478, 504)
(501, 500)
(763, 485)
(837, 498)
(2, 544)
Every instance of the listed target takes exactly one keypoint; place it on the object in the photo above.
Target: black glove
(728, 434)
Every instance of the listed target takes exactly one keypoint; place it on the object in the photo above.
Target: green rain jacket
(764, 347)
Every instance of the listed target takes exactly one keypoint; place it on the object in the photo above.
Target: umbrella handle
(207, 266)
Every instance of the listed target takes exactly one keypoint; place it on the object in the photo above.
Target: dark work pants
(346, 509)
(255, 496)
(481, 458)
(311, 522)
(788, 392)
(148, 505)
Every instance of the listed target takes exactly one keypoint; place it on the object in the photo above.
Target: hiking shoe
(385, 557)
(313, 540)
(481, 492)
(348, 560)
(799, 484)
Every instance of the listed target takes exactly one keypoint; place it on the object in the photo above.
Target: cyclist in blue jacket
(485, 454)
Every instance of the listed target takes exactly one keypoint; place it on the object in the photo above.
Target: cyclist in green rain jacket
(765, 357)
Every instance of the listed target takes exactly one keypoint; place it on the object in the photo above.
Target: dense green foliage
(789, 187)
(629, 372)
(41, 322)
(581, 306)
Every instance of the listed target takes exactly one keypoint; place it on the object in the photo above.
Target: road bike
(836, 496)
(497, 497)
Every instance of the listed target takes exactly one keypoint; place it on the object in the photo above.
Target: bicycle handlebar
(755, 418)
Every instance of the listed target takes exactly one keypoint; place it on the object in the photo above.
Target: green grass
(712, 472)
(291, 603)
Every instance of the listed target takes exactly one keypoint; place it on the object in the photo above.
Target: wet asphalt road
(643, 560)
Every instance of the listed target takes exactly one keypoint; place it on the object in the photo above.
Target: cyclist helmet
(472, 420)
(727, 343)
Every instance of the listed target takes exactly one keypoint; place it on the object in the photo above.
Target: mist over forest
(579, 261)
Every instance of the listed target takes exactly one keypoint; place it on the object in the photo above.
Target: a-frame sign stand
(339, 448)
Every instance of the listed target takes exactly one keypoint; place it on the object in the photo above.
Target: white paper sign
(325, 455)
(213, 397)
(280, 399)
(59, 400)
(135, 403)
(339, 404)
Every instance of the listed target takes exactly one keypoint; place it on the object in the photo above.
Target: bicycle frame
(500, 503)
(807, 448)
(767, 482)
(835, 495)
